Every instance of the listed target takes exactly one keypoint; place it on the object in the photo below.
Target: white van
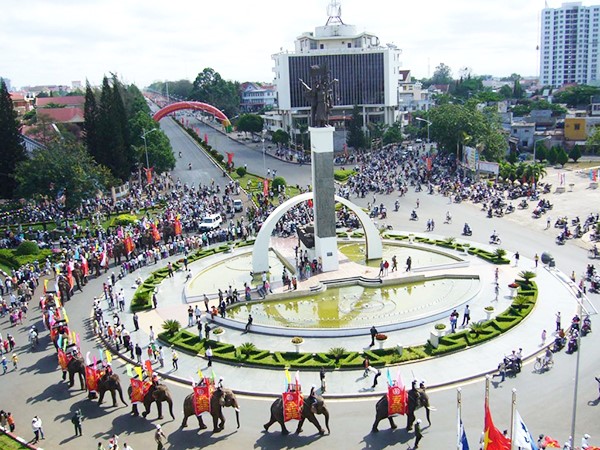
(211, 222)
(238, 206)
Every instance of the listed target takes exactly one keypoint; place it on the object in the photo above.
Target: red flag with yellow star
(493, 439)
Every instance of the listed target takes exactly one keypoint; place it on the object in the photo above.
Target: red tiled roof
(72, 100)
(14, 96)
(63, 115)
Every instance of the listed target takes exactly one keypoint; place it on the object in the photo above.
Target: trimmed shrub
(241, 171)
(123, 219)
(278, 181)
(27, 248)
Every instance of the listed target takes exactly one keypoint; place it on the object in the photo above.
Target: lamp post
(428, 124)
(264, 133)
(144, 133)
(576, 384)
(535, 143)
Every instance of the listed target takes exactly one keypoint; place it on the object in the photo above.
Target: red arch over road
(191, 105)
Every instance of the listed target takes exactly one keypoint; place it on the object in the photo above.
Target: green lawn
(7, 443)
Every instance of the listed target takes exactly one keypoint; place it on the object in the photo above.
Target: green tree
(180, 89)
(280, 138)
(575, 153)
(593, 141)
(11, 143)
(160, 152)
(356, 136)
(505, 91)
(393, 134)
(517, 89)
(562, 157)
(552, 155)
(441, 75)
(62, 167)
(90, 124)
(209, 87)
(250, 123)
(579, 95)
(540, 152)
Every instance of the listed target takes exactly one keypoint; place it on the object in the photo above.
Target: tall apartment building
(367, 72)
(569, 45)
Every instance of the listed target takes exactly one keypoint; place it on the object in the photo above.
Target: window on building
(321, 46)
(349, 44)
(577, 127)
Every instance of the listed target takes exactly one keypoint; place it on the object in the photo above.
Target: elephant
(76, 366)
(168, 231)
(157, 393)
(218, 399)
(64, 288)
(94, 265)
(307, 414)
(415, 400)
(110, 383)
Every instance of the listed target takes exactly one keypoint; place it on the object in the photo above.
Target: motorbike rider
(413, 215)
(466, 229)
(448, 217)
(190, 166)
(547, 357)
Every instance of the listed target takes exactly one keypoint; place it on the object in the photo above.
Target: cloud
(64, 40)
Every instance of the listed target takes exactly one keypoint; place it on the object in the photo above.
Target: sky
(59, 41)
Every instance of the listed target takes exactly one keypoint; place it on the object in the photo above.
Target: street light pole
(428, 124)
(264, 132)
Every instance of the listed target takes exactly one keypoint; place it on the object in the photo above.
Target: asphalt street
(545, 401)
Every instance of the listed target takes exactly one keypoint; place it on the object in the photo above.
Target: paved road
(544, 401)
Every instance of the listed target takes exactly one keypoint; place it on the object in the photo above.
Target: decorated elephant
(218, 399)
(110, 383)
(308, 413)
(94, 265)
(75, 366)
(64, 288)
(167, 230)
(415, 399)
(158, 393)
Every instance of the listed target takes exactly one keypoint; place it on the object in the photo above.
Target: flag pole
(487, 389)
(512, 417)
(459, 415)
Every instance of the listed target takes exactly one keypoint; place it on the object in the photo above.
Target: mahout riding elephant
(158, 393)
(219, 399)
(94, 265)
(414, 402)
(75, 366)
(110, 383)
(307, 414)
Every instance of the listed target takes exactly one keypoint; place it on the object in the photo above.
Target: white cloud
(147, 40)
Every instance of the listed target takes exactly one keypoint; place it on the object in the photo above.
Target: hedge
(10, 259)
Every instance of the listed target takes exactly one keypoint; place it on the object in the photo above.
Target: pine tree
(11, 145)
(90, 124)
(356, 135)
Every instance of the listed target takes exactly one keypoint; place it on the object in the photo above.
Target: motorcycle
(413, 216)
(523, 204)
(537, 213)
(490, 213)
(499, 213)
(467, 230)
(396, 206)
(190, 166)
(495, 239)
(560, 239)
(510, 209)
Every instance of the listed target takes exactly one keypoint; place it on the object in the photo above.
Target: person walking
(418, 433)
(206, 331)
(408, 263)
(377, 375)
(558, 321)
(322, 378)
(536, 258)
(466, 316)
(76, 421)
(138, 353)
(161, 356)
(543, 338)
(38, 431)
(209, 355)
(175, 358)
(136, 323)
(366, 366)
(373, 334)
(394, 263)
(10, 419)
(190, 312)
(517, 256)
(248, 324)
(158, 437)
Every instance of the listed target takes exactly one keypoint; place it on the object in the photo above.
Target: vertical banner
(266, 187)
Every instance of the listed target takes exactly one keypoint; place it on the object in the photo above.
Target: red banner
(292, 405)
(139, 389)
(177, 227)
(155, 233)
(129, 245)
(91, 378)
(429, 163)
(148, 174)
(201, 397)
(63, 359)
(265, 187)
(229, 157)
(148, 365)
(397, 400)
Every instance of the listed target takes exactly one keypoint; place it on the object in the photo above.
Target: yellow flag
(200, 374)
(288, 377)
(73, 337)
(65, 315)
(139, 371)
(108, 356)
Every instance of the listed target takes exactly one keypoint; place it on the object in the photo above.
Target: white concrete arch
(260, 255)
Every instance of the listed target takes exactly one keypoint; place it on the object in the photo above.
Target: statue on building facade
(320, 95)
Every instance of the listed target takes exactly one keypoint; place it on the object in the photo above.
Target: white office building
(367, 72)
(569, 45)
